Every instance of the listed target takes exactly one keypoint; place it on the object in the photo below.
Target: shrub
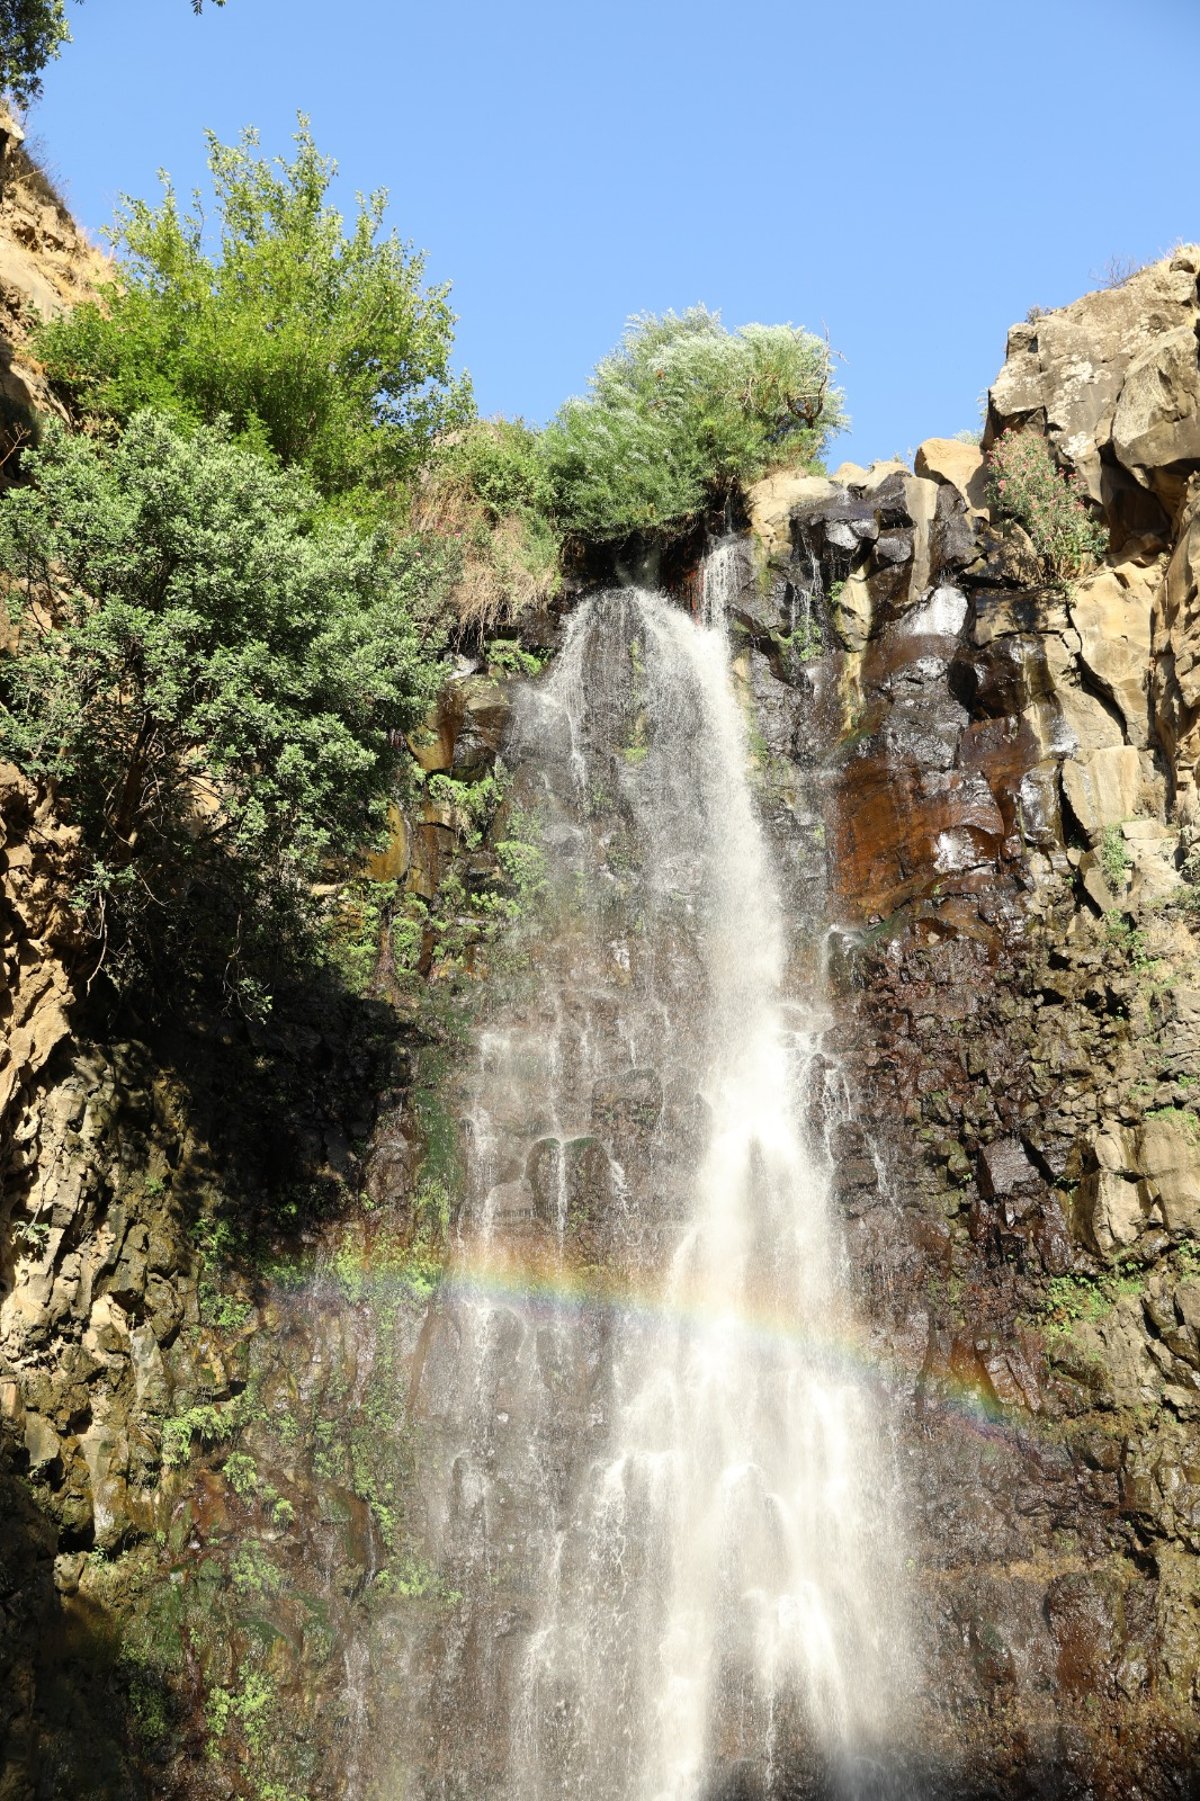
(214, 678)
(1026, 484)
(487, 490)
(680, 414)
(317, 344)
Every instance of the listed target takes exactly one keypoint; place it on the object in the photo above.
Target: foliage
(487, 488)
(32, 33)
(214, 679)
(681, 413)
(1080, 1299)
(1114, 857)
(317, 343)
(1026, 484)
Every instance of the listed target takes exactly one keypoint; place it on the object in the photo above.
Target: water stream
(661, 1479)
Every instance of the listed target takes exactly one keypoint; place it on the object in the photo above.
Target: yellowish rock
(958, 465)
(771, 503)
(1105, 789)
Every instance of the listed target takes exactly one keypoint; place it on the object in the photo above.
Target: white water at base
(715, 1607)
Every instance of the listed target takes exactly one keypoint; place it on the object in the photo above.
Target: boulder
(957, 465)
(1111, 612)
(1105, 789)
(1067, 370)
(1003, 1168)
(1156, 425)
(772, 502)
(1169, 1157)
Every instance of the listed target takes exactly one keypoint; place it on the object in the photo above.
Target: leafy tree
(215, 676)
(681, 413)
(32, 32)
(316, 343)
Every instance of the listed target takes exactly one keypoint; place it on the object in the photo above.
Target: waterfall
(661, 1479)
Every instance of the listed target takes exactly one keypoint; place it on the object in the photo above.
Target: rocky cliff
(218, 1245)
(1011, 818)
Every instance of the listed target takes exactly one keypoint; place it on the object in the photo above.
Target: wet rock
(1004, 1168)
(475, 709)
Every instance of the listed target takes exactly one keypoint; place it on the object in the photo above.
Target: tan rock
(1175, 675)
(771, 503)
(1104, 789)
(391, 863)
(852, 611)
(1069, 367)
(1111, 611)
(921, 499)
(958, 465)
(1169, 1157)
(883, 471)
(1157, 417)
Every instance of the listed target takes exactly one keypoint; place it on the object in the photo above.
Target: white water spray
(687, 1479)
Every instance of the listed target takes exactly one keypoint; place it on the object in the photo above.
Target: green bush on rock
(215, 679)
(1026, 484)
(682, 412)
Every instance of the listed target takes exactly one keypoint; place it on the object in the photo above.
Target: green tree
(317, 343)
(683, 412)
(214, 675)
(32, 32)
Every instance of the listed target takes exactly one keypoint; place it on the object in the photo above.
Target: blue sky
(911, 177)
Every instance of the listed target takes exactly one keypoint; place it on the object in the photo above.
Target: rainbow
(541, 1285)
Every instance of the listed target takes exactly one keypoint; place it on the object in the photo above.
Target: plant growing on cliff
(317, 343)
(486, 487)
(215, 680)
(1026, 484)
(682, 412)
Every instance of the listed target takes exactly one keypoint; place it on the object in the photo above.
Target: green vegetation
(1114, 857)
(317, 345)
(1026, 484)
(682, 413)
(1074, 1300)
(32, 33)
(212, 677)
(1182, 1119)
(488, 489)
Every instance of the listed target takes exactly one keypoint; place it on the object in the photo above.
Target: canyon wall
(217, 1305)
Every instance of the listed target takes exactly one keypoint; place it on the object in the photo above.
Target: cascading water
(661, 1485)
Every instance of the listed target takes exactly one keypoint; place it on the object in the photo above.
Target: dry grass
(505, 570)
(27, 170)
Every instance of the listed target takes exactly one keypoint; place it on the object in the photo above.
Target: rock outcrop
(1011, 814)
(207, 1420)
(47, 265)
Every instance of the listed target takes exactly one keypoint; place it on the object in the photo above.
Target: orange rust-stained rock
(901, 833)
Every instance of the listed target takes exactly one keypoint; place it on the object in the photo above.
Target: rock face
(1113, 381)
(46, 265)
(1011, 817)
(210, 1439)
